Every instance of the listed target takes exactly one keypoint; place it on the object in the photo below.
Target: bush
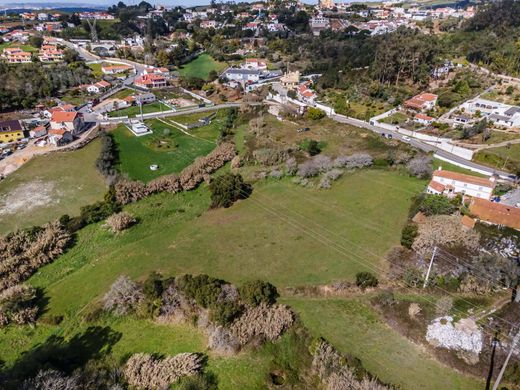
(107, 159)
(310, 146)
(436, 205)
(420, 167)
(386, 298)
(308, 169)
(365, 280)
(357, 160)
(323, 163)
(128, 191)
(408, 234)
(225, 313)
(120, 221)
(267, 156)
(291, 166)
(123, 297)
(145, 371)
(204, 289)
(228, 188)
(17, 305)
(315, 113)
(257, 292)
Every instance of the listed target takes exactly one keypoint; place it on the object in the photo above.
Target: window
(480, 188)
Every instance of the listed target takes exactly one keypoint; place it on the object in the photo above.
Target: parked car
(303, 129)
(406, 138)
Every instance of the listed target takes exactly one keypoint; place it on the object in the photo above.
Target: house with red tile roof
(422, 102)
(149, 81)
(452, 183)
(423, 119)
(305, 93)
(495, 213)
(67, 120)
(115, 69)
(15, 55)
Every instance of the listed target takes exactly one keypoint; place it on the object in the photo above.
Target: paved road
(419, 144)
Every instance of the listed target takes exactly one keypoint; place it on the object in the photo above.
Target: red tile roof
(423, 117)
(63, 116)
(495, 213)
(479, 181)
(437, 186)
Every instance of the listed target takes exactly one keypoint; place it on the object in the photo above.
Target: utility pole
(494, 343)
(430, 267)
(93, 31)
(501, 373)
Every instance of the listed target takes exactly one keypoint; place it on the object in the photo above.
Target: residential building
(144, 98)
(424, 101)
(59, 137)
(290, 79)
(255, 64)
(423, 119)
(50, 53)
(208, 24)
(15, 55)
(68, 120)
(10, 131)
(500, 114)
(305, 93)
(149, 81)
(98, 87)
(38, 131)
(115, 69)
(242, 75)
(452, 183)
(495, 213)
(318, 24)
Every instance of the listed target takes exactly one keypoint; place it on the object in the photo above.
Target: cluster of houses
(252, 72)
(499, 114)
(477, 193)
(47, 53)
(153, 77)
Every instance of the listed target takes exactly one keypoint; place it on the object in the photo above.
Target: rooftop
(480, 181)
(496, 213)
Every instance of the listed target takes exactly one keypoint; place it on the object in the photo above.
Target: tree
(315, 113)
(257, 291)
(365, 280)
(36, 41)
(436, 205)
(311, 146)
(123, 297)
(228, 188)
(225, 313)
(420, 167)
(408, 234)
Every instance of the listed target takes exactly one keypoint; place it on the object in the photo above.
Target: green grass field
(167, 147)
(96, 70)
(123, 93)
(49, 186)
(505, 157)
(201, 66)
(355, 328)
(451, 167)
(28, 48)
(135, 111)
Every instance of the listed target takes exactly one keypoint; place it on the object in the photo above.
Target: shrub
(310, 146)
(128, 191)
(276, 174)
(123, 297)
(308, 169)
(52, 380)
(333, 174)
(365, 280)
(166, 183)
(120, 221)
(107, 159)
(225, 313)
(147, 372)
(443, 305)
(436, 204)
(153, 286)
(315, 113)
(325, 183)
(24, 251)
(420, 167)
(257, 292)
(204, 289)
(263, 322)
(268, 156)
(323, 163)
(357, 160)
(17, 304)
(386, 298)
(414, 310)
(228, 188)
(408, 234)
(291, 166)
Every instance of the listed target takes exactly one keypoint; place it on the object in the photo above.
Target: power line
(342, 249)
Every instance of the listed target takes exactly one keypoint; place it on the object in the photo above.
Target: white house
(242, 75)
(423, 101)
(452, 183)
(423, 119)
(255, 64)
(98, 87)
(67, 120)
(500, 114)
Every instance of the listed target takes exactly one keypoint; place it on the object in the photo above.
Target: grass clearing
(96, 69)
(201, 67)
(123, 93)
(454, 168)
(355, 328)
(135, 111)
(49, 186)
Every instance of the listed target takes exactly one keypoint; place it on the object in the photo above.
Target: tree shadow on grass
(60, 354)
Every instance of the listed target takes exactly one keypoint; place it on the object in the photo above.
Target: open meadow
(201, 67)
(504, 157)
(49, 186)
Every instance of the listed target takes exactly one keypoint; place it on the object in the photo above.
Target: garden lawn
(49, 186)
(96, 70)
(201, 67)
(167, 147)
(135, 111)
(505, 157)
(354, 327)
(455, 168)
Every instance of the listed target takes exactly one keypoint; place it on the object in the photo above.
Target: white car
(406, 138)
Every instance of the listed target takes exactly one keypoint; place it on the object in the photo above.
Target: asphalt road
(421, 145)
